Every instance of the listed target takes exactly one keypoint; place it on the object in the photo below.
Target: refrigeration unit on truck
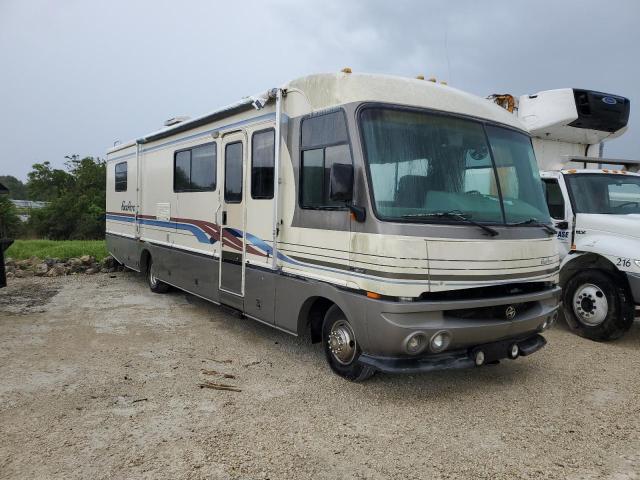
(388, 217)
(594, 201)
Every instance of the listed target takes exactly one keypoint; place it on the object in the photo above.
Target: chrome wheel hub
(590, 305)
(342, 342)
(152, 278)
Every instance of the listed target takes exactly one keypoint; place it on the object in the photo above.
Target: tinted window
(182, 172)
(325, 141)
(233, 173)
(121, 177)
(262, 162)
(555, 200)
(195, 169)
(327, 129)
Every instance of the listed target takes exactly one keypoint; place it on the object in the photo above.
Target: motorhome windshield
(601, 193)
(423, 164)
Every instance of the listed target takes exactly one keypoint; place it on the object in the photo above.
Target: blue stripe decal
(195, 230)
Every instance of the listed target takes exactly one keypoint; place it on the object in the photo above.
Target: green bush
(10, 224)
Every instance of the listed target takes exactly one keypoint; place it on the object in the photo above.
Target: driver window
(555, 200)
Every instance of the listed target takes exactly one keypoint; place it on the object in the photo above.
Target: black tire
(582, 295)
(348, 368)
(155, 285)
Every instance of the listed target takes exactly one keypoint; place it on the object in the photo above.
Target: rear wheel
(596, 306)
(155, 285)
(341, 347)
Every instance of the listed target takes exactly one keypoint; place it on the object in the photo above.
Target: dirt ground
(99, 379)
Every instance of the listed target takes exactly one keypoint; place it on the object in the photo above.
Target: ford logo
(609, 100)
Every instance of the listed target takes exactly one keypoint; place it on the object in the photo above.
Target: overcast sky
(76, 75)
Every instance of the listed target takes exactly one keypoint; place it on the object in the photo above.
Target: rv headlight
(415, 343)
(439, 341)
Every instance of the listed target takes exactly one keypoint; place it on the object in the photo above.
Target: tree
(17, 189)
(46, 183)
(77, 198)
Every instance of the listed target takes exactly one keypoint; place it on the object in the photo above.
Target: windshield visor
(421, 164)
(608, 194)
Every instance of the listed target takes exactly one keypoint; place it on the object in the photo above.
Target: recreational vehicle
(594, 202)
(400, 222)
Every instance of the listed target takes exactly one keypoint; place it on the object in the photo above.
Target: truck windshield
(602, 193)
(421, 164)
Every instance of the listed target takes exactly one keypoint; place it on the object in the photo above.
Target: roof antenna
(446, 52)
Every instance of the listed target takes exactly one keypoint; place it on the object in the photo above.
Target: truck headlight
(637, 262)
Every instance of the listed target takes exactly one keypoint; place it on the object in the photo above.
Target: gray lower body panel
(381, 326)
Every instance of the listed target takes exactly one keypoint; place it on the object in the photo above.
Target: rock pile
(56, 267)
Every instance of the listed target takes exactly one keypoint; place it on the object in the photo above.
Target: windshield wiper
(536, 223)
(455, 216)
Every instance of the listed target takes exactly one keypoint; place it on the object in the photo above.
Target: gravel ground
(100, 380)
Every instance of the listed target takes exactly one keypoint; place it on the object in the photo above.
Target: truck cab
(597, 215)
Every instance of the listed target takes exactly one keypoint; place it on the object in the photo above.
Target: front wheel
(341, 347)
(596, 306)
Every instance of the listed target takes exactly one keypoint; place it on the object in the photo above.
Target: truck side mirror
(341, 182)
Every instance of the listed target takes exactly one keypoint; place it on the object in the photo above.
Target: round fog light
(479, 358)
(514, 351)
(415, 343)
(439, 341)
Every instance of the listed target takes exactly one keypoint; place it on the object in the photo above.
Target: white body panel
(192, 220)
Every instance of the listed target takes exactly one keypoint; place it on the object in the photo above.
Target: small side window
(555, 200)
(233, 173)
(262, 164)
(325, 141)
(121, 177)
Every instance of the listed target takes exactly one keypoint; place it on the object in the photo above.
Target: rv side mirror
(341, 182)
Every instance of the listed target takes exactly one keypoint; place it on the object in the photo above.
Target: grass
(22, 249)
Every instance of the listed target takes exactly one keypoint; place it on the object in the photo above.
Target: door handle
(224, 217)
(562, 225)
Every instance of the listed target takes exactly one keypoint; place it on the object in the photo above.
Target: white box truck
(594, 202)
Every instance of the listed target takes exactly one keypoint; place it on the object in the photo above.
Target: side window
(233, 173)
(262, 163)
(121, 177)
(194, 170)
(325, 141)
(555, 200)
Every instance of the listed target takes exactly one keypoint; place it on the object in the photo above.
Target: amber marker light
(374, 295)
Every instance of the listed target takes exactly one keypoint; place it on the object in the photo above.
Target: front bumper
(634, 285)
(469, 322)
(493, 352)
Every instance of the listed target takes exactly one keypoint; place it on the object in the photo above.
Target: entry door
(232, 255)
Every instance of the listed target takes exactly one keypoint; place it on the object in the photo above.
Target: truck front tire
(596, 306)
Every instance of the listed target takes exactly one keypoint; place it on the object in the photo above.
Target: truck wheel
(596, 306)
(155, 285)
(341, 348)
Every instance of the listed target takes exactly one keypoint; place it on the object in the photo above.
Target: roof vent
(175, 121)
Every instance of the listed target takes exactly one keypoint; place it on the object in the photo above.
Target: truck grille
(495, 312)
